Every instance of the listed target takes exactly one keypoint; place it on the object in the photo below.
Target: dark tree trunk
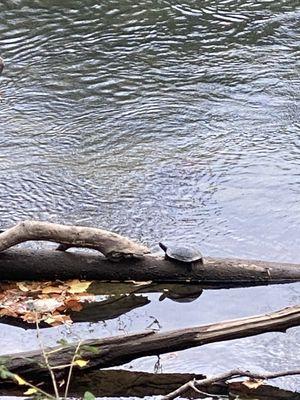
(21, 264)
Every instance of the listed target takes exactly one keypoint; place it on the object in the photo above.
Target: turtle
(182, 254)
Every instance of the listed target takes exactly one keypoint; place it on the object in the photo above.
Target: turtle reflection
(182, 293)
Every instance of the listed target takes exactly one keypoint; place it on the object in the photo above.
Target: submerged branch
(118, 350)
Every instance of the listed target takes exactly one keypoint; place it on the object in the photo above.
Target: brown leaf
(73, 305)
(30, 317)
(7, 312)
(55, 320)
(53, 289)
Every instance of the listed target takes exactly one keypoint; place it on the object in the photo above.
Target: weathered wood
(120, 383)
(108, 243)
(118, 350)
(21, 264)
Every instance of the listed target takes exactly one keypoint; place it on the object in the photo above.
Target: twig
(235, 373)
(71, 369)
(46, 358)
(213, 396)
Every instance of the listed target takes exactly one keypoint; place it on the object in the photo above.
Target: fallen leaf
(22, 287)
(77, 286)
(8, 312)
(53, 289)
(88, 396)
(141, 283)
(31, 391)
(31, 317)
(81, 363)
(46, 305)
(19, 380)
(73, 305)
(55, 320)
(253, 383)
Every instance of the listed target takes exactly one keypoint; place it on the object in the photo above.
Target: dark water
(161, 120)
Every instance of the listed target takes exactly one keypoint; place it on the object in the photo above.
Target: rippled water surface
(161, 120)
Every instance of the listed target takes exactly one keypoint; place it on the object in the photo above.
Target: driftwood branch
(235, 373)
(23, 264)
(118, 350)
(108, 243)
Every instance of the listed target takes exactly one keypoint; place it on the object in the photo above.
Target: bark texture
(23, 264)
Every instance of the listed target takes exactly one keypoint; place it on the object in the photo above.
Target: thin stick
(71, 369)
(46, 359)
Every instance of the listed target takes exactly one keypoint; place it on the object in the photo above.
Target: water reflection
(160, 120)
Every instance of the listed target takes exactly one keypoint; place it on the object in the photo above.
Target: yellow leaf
(49, 320)
(81, 363)
(53, 289)
(141, 283)
(55, 320)
(253, 383)
(77, 286)
(22, 286)
(30, 391)
(20, 380)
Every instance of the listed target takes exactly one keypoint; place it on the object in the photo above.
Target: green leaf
(3, 360)
(91, 349)
(88, 396)
(4, 373)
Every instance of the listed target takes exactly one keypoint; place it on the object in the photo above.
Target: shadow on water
(163, 121)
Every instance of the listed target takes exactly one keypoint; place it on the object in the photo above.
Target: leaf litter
(49, 301)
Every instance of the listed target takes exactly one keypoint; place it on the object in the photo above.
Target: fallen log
(111, 351)
(24, 264)
(131, 260)
(122, 383)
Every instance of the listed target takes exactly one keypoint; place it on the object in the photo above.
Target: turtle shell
(187, 254)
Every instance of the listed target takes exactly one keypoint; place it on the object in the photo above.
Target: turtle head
(162, 246)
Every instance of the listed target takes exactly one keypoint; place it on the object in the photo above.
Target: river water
(167, 121)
